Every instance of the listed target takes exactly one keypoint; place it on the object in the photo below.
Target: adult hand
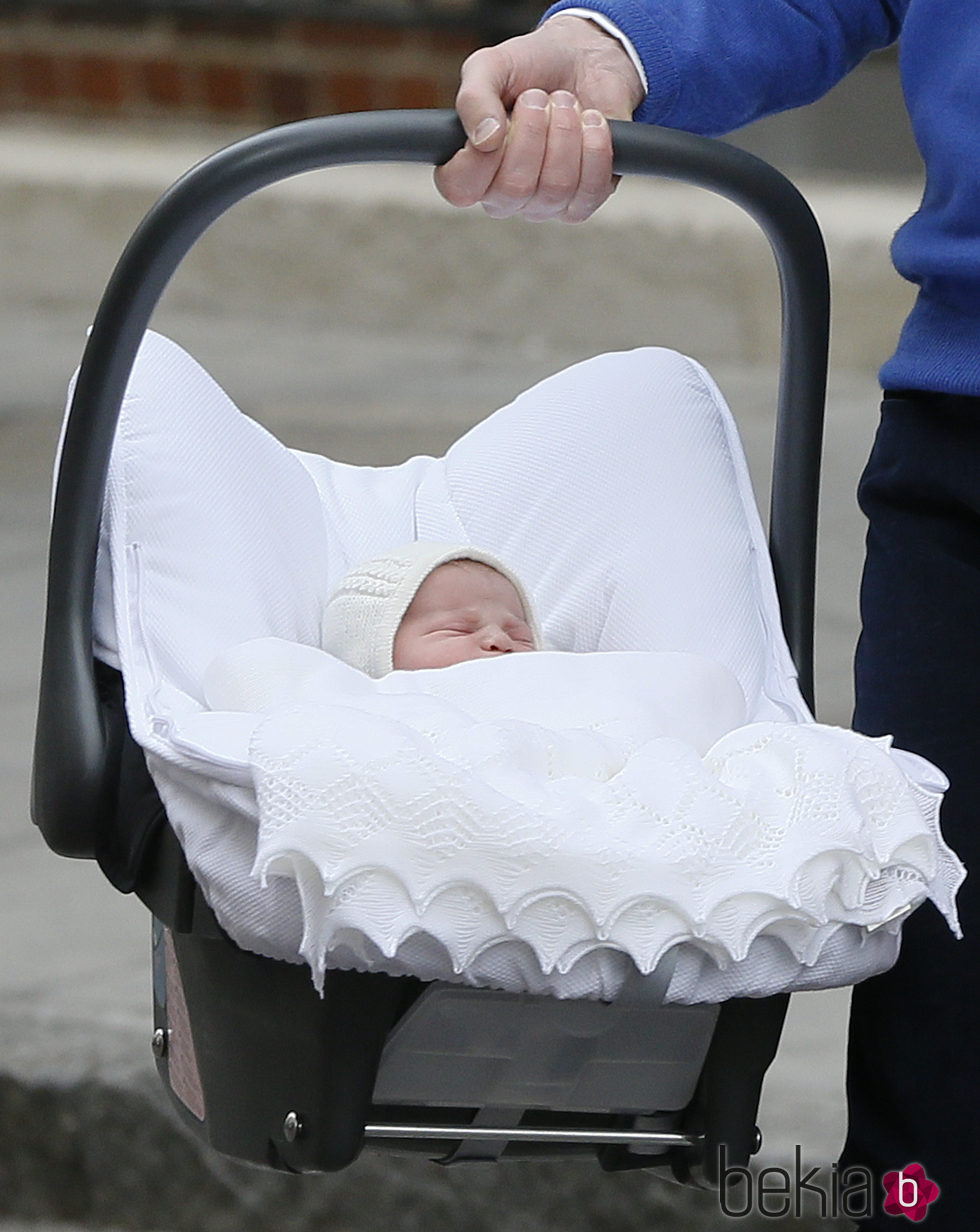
(552, 158)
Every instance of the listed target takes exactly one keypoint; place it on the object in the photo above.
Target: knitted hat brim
(362, 617)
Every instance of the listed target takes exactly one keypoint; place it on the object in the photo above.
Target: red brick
(38, 75)
(454, 42)
(71, 15)
(164, 82)
(248, 27)
(287, 95)
(99, 80)
(227, 88)
(419, 92)
(348, 33)
(7, 76)
(351, 92)
(237, 81)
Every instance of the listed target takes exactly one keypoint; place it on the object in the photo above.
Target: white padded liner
(583, 484)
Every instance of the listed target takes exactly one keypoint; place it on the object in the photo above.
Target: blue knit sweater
(714, 65)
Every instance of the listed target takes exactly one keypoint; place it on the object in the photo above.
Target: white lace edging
(782, 830)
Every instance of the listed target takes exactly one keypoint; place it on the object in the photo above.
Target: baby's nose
(497, 640)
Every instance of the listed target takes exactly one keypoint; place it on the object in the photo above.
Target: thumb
(484, 77)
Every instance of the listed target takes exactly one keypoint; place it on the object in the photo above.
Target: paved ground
(73, 966)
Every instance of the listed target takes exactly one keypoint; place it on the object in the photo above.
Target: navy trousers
(913, 1072)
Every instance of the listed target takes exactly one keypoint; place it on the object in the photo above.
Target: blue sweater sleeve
(714, 65)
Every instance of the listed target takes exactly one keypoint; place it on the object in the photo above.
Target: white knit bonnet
(362, 616)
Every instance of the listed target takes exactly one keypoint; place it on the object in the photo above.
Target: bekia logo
(909, 1192)
(776, 1193)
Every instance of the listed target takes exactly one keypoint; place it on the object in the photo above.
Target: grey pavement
(367, 322)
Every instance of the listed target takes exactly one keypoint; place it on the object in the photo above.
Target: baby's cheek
(459, 650)
(405, 651)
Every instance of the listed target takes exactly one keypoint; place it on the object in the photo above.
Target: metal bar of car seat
(585, 1137)
(73, 791)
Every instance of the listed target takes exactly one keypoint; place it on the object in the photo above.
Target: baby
(428, 605)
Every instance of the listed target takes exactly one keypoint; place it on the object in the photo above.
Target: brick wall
(261, 67)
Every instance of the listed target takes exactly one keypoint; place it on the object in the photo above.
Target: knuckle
(551, 204)
(468, 97)
(483, 59)
(514, 188)
(495, 210)
(460, 196)
(565, 119)
(586, 204)
(540, 214)
(558, 188)
(596, 143)
(517, 179)
(462, 181)
(532, 125)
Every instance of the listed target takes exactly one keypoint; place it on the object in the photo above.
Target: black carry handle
(72, 783)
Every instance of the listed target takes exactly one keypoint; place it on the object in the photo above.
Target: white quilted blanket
(571, 803)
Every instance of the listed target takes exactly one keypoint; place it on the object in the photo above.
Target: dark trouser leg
(913, 1073)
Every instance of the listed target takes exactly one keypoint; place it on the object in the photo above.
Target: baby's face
(463, 610)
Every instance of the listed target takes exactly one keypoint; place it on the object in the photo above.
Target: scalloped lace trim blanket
(548, 824)
(572, 803)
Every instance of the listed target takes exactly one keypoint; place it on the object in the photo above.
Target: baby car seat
(257, 1062)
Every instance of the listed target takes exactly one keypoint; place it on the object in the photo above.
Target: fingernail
(593, 119)
(563, 98)
(536, 99)
(485, 130)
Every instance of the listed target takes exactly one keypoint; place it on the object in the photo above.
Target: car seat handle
(72, 782)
